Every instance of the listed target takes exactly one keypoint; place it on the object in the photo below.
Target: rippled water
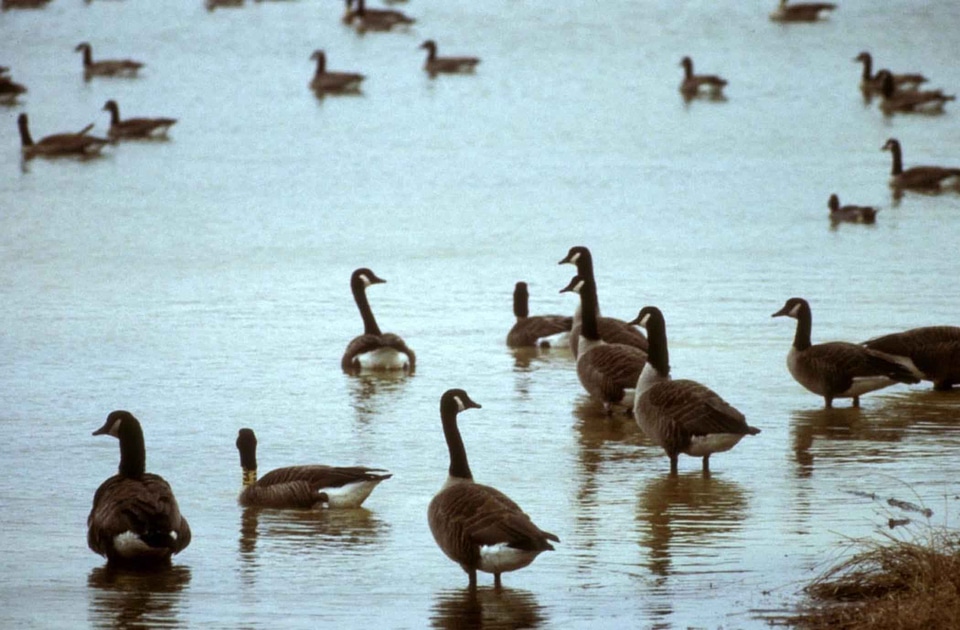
(202, 283)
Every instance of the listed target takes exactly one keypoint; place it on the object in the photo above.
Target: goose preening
(837, 369)
(873, 83)
(909, 101)
(694, 85)
(365, 19)
(304, 486)
(106, 67)
(537, 330)
(681, 416)
(477, 526)
(850, 213)
(435, 64)
(374, 350)
(931, 352)
(608, 371)
(800, 11)
(9, 89)
(135, 520)
(919, 178)
(60, 144)
(612, 330)
(135, 128)
(327, 82)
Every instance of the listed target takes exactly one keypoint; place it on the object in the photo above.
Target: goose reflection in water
(294, 532)
(122, 598)
(370, 392)
(487, 608)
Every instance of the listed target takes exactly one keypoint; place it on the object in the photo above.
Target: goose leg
(496, 581)
(828, 402)
(856, 401)
(473, 579)
(706, 465)
(673, 465)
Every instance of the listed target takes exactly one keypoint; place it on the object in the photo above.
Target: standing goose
(612, 330)
(106, 67)
(909, 101)
(303, 486)
(374, 19)
(931, 352)
(681, 416)
(374, 350)
(801, 11)
(135, 520)
(694, 85)
(850, 213)
(608, 371)
(873, 83)
(477, 526)
(446, 65)
(837, 369)
(59, 144)
(135, 128)
(326, 82)
(920, 178)
(538, 330)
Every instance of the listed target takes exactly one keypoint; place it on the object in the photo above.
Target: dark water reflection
(370, 392)
(295, 531)
(131, 599)
(487, 608)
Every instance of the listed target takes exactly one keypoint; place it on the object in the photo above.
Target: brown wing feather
(935, 350)
(696, 409)
(528, 331)
(368, 343)
(612, 330)
(607, 370)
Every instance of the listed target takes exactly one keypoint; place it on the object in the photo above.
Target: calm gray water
(202, 283)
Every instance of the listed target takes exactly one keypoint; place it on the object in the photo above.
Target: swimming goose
(922, 178)
(539, 330)
(303, 486)
(608, 371)
(374, 19)
(447, 65)
(24, 4)
(135, 127)
(477, 526)
(325, 82)
(837, 369)
(711, 85)
(135, 520)
(106, 67)
(59, 144)
(801, 11)
(373, 350)
(9, 89)
(612, 330)
(931, 352)
(850, 213)
(909, 101)
(681, 416)
(873, 83)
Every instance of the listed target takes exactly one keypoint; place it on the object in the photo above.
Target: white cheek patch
(460, 404)
(575, 258)
(644, 320)
(795, 311)
(578, 286)
(365, 279)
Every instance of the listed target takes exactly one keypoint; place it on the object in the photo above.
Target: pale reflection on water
(488, 608)
(131, 599)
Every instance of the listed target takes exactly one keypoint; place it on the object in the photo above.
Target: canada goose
(873, 83)
(931, 352)
(325, 82)
(373, 350)
(374, 19)
(135, 127)
(135, 519)
(681, 416)
(106, 67)
(213, 4)
(59, 144)
(447, 65)
(922, 178)
(612, 330)
(837, 369)
(850, 213)
(711, 85)
(909, 101)
(9, 89)
(303, 486)
(24, 4)
(608, 371)
(801, 11)
(477, 526)
(539, 330)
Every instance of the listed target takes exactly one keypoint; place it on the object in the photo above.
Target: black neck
(247, 445)
(687, 69)
(360, 296)
(801, 341)
(133, 456)
(114, 114)
(321, 65)
(458, 454)
(658, 355)
(588, 310)
(867, 68)
(87, 57)
(25, 138)
(897, 159)
(521, 299)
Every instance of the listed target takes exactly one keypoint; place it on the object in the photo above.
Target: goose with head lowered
(681, 416)
(328, 82)
(932, 353)
(135, 520)
(436, 64)
(837, 369)
(135, 128)
(850, 213)
(929, 179)
(106, 67)
(532, 331)
(477, 526)
(694, 85)
(901, 101)
(608, 371)
(59, 144)
(800, 11)
(305, 486)
(374, 350)
(873, 83)
(611, 329)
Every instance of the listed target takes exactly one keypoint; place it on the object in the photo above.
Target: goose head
(687, 64)
(429, 45)
(112, 107)
(833, 203)
(82, 46)
(575, 285)
(115, 421)
(793, 308)
(456, 400)
(577, 255)
(892, 144)
(365, 277)
(247, 445)
(646, 316)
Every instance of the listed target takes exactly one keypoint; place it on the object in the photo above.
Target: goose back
(932, 352)
(801, 11)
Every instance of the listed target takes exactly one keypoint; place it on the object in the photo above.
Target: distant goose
(135, 520)
(850, 213)
(608, 371)
(326, 82)
(837, 369)
(538, 330)
(60, 144)
(24, 4)
(303, 486)
(931, 352)
(214, 4)
(133, 128)
(373, 350)
(612, 330)
(801, 11)
(9, 89)
(681, 416)
(910, 101)
(477, 526)
(872, 83)
(921, 178)
(106, 67)
(694, 85)
(446, 65)
(374, 19)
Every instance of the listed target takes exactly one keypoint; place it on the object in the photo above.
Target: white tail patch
(501, 558)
